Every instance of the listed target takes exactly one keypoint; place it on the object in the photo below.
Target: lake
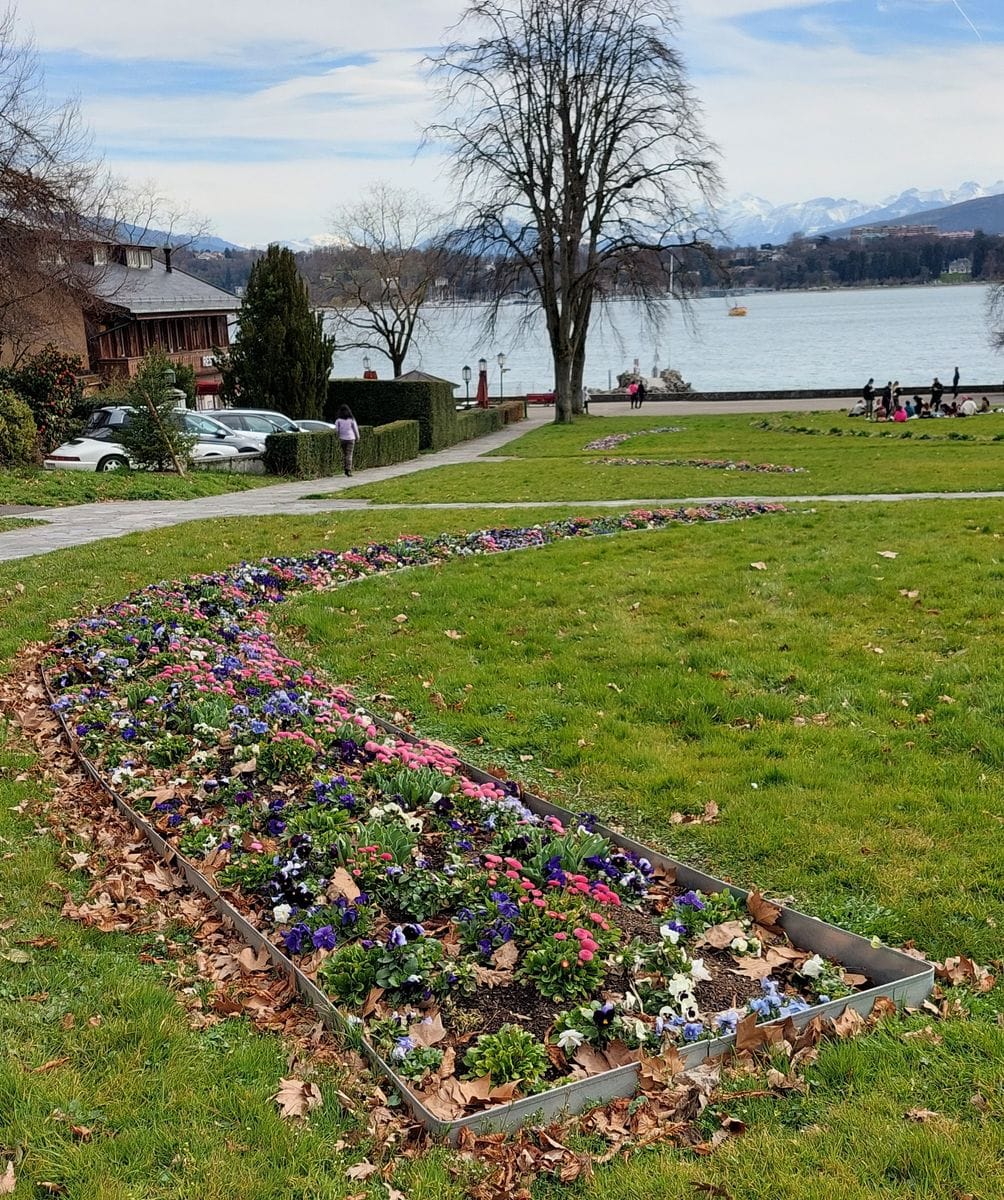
(786, 340)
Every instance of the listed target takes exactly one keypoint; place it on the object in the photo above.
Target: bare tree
(579, 154)
(48, 181)
(383, 270)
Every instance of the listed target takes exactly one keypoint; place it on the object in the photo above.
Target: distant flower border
(702, 464)
(617, 439)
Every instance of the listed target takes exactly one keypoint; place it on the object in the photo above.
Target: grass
(875, 816)
(552, 463)
(61, 488)
(9, 523)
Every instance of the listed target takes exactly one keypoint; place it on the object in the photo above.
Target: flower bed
(701, 464)
(617, 439)
(487, 949)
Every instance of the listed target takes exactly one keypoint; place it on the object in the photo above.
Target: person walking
(640, 393)
(348, 435)
(955, 384)
(633, 393)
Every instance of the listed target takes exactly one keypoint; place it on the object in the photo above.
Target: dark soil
(518, 1004)
(725, 990)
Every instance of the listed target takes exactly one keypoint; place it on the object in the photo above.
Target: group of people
(637, 392)
(889, 405)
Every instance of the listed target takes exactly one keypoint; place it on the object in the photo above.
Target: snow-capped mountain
(751, 220)
(318, 242)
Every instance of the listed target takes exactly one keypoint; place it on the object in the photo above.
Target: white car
(103, 454)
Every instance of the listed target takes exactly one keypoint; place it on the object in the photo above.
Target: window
(136, 257)
(100, 256)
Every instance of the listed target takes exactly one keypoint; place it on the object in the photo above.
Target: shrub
(151, 437)
(476, 422)
(386, 444)
(18, 435)
(512, 410)
(377, 402)
(48, 384)
(315, 455)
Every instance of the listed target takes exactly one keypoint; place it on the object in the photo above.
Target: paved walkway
(83, 523)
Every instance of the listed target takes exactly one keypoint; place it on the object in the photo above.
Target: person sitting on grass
(899, 413)
(858, 408)
(925, 410)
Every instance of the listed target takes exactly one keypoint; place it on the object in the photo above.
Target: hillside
(985, 213)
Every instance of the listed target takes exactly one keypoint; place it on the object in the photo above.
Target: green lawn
(552, 462)
(59, 488)
(651, 672)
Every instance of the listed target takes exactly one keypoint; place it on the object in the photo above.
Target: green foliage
(317, 455)
(18, 436)
(476, 422)
(349, 974)
(48, 383)
(382, 445)
(378, 401)
(409, 787)
(512, 1055)
(153, 438)
(184, 378)
(285, 757)
(281, 357)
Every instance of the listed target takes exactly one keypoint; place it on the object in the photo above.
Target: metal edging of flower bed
(902, 978)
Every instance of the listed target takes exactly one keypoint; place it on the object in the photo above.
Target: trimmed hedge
(379, 401)
(476, 422)
(386, 444)
(316, 455)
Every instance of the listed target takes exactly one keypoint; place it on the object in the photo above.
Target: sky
(267, 115)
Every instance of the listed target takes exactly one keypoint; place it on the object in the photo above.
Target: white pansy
(281, 913)
(570, 1039)
(679, 985)
(812, 967)
(669, 935)
(699, 973)
(740, 945)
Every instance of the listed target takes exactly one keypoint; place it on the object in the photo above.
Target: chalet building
(146, 303)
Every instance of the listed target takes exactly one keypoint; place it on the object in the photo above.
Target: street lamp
(501, 362)
(366, 363)
(466, 375)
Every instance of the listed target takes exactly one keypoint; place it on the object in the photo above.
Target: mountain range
(751, 220)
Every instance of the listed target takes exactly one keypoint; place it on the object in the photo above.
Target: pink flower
(585, 956)
(561, 937)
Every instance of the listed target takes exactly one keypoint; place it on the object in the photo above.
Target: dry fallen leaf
(8, 1181)
(922, 1115)
(887, 553)
(759, 566)
(296, 1098)
(361, 1170)
(453, 634)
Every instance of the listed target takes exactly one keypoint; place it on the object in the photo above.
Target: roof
(151, 290)
(422, 377)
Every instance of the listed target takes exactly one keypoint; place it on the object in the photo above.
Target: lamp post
(366, 365)
(501, 362)
(466, 375)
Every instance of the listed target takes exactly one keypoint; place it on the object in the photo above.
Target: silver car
(254, 420)
(105, 422)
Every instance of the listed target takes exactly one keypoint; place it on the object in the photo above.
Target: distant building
(133, 303)
(147, 304)
(960, 266)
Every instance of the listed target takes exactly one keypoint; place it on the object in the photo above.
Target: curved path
(79, 524)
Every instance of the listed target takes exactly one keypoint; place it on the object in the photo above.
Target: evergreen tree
(281, 357)
(153, 437)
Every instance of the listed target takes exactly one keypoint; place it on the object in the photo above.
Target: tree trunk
(563, 399)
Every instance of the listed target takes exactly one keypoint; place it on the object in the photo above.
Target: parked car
(98, 450)
(104, 454)
(254, 420)
(202, 425)
(317, 427)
